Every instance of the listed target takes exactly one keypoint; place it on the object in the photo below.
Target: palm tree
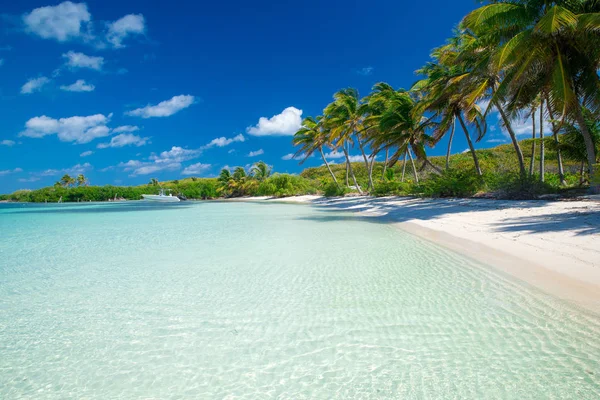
(547, 48)
(67, 181)
(403, 128)
(344, 120)
(260, 171)
(571, 143)
(310, 137)
(82, 180)
(153, 182)
(442, 94)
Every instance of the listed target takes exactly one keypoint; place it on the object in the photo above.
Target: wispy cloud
(7, 142)
(164, 108)
(196, 169)
(79, 86)
(34, 85)
(169, 160)
(79, 60)
(125, 139)
(10, 171)
(86, 153)
(284, 124)
(223, 141)
(132, 24)
(365, 71)
(126, 128)
(256, 153)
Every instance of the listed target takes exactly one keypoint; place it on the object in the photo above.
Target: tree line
(517, 58)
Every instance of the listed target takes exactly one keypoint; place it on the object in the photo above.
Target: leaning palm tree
(260, 171)
(345, 121)
(442, 94)
(547, 48)
(67, 181)
(82, 180)
(311, 137)
(404, 129)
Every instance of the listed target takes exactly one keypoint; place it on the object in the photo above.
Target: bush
(332, 190)
(450, 183)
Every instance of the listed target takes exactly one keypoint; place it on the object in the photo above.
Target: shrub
(450, 183)
(332, 190)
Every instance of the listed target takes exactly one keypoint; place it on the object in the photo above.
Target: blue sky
(124, 91)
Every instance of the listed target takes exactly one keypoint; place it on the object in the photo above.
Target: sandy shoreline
(554, 246)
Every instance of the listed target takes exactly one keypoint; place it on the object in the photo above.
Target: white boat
(161, 196)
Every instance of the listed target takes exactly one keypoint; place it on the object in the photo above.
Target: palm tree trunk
(542, 146)
(347, 168)
(450, 143)
(589, 144)
(513, 138)
(328, 167)
(413, 164)
(387, 155)
(532, 163)
(561, 170)
(404, 166)
(352, 171)
(582, 173)
(475, 159)
(371, 165)
(362, 150)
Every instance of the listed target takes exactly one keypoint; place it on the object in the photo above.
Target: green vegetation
(515, 57)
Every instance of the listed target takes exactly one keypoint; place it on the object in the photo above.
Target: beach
(553, 245)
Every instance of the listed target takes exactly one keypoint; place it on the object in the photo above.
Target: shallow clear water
(253, 301)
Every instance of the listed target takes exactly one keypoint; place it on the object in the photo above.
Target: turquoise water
(256, 301)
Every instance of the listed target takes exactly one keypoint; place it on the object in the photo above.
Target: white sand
(552, 245)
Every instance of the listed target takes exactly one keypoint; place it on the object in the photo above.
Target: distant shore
(554, 246)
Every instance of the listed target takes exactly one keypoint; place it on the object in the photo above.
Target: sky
(125, 91)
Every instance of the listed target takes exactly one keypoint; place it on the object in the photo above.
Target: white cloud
(125, 139)
(231, 151)
(125, 128)
(61, 22)
(366, 71)
(86, 153)
(496, 141)
(256, 153)
(74, 129)
(523, 126)
(74, 170)
(291, 156)
(223, 141)
(7, 142)
(34, 85)
(287, 157)
(80, 60)
(358, 158)
(79, 86)
(132, 24)
(10, 171)
(285, 124)
(30, 179)
(195, 169)
(166, 161)
(334, 154)
(164, 108)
